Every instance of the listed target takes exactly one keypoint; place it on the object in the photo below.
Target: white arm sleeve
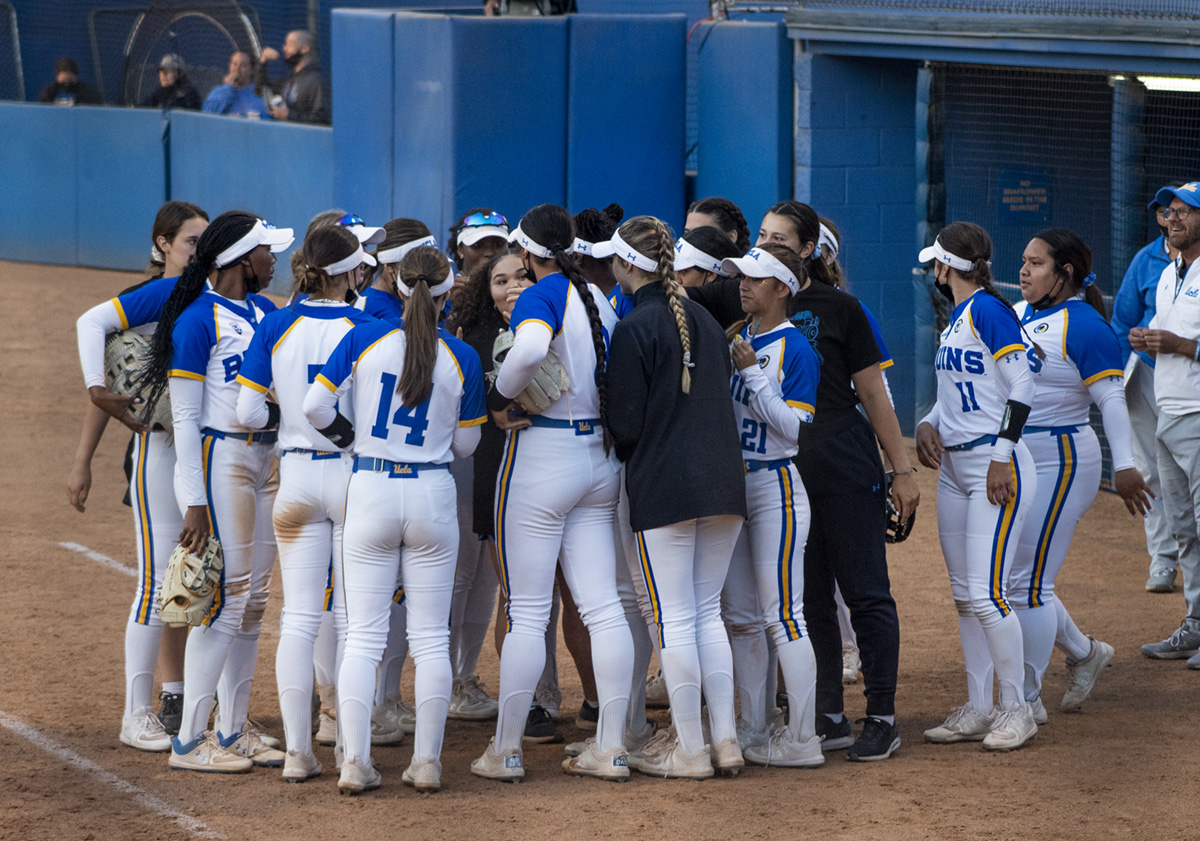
(887, 388)
(187, 397)
(1013, 373)
(466, 439)
(530, 345)
(252, 408)
(934, 418)
(319, 405)
(1109, 395)
(90, 330)
(770, 405)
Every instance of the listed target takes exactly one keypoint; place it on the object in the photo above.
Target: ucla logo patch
(764, 361)
(621, 761)
(957, 325)
(512, 762)
(237, 328)
(1192, 293)
(1041, 328)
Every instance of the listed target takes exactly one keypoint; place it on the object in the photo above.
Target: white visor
(828, 243)
(366, 234)
(470, 236)
(395, 255)
(279, 239)
(937, 252)
(689, 256)
(440, 289)
(582, 246)
(519, 237)
(349, 263)
(617, 247)
(758, 263)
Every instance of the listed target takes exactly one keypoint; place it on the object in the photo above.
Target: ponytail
(421, 268)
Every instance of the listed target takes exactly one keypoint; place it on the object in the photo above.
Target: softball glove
(190, 585)
(548, 384)
(895, 531)
(126, 354)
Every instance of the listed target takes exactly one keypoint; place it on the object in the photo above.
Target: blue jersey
(1135, 303)
(382, 305)
(793, 372)
(621, 303)
(887, 361)
(142, 307)
(288, 350)
(211, 337)
(371, 359)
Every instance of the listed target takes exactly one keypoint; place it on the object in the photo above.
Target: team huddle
(677, 440)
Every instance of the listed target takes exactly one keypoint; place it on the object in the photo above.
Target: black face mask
(944, 288)
(1044, 301)
(251, 279)
(294, 59)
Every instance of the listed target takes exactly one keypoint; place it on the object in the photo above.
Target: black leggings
(844, 479)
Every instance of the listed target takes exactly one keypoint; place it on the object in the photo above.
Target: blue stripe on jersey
(502, 488)
(1004, 530)
(219, 599)
(787, 553)
(651, 586)
(327, 602)
(1067, 461)
(145, 532)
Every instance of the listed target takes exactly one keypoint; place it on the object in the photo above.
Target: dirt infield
(1123, 768)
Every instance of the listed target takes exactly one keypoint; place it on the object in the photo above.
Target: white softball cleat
(663, 756)
(610, 765)
(782, 751)
(727, 759)
(1082, 676)
(851, 663)
(385, 725)
(298, 767)
(507, 767)
(964, 724)
(205, 753)
(1014, 727)
(469, 701)
(358, 777)
(423, 775)
(749, 736)
(656, 691)
(1038, 710)
(145, 732)
(326, 730)
(250, 745)
(262, 734)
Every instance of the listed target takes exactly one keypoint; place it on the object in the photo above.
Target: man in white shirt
(1171, 338)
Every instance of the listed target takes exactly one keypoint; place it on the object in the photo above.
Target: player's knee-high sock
(716, 670)
(772, 685)
(355, 689)
(391, 668)
(141, 654)
(1005, 645)
(236, 680)
(750, 659)
(295, 679)
(432, 680)
(325, 651)
(799, 665)
(521, 663)
(1038, 627)
(642, 650)
(1069, 638)
(681, 670)
(612, 661)
(976, 658)
(203, 663)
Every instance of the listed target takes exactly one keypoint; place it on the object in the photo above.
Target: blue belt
(315, 455)
(249, 437)
(1053, 430)
(970, 445)
(586, 426)
(753, 464)
(394, 469)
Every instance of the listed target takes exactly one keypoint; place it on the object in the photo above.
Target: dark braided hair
(224, 231)
(728, 217)
(552, 227)
(592, 225)
(808, 228)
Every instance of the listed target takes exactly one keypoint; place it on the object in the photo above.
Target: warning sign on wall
(1024, 196)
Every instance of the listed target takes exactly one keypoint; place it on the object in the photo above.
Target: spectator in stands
(174, 89)
(1134, 307)
(301, 94)
(67, 89)
(1172, 339)
(237, 95)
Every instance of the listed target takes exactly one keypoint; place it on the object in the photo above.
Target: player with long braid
(557, 490)
(225, 478)
(722, 214)
(670, 390)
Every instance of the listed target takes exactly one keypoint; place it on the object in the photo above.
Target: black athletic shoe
(835, 735)
(589, 716)
(540, 728)
(170, 712)
(877, 741)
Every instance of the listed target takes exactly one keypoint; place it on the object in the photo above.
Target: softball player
(380, 297)
(670, 369)
(722, 214)
(225, 478)
(987, 483)
(177, 227)
(558, 489)
(774, 392)
(287, 351)
(400, 505)
(699, 254)
(1079, 364)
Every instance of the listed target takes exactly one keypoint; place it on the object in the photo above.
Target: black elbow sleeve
(497, 402)
(1015, 415)
(340, 432)
(272, 415)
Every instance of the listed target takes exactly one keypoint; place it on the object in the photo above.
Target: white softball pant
(979, 542)
(557, 491)
(404, 527)
(240, 478)
(307, 518)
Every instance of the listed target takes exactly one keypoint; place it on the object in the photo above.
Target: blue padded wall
(625, 114)
(81, 185)
(363, 113)
(745, 115)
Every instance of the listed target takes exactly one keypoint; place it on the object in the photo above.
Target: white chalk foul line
(100, 559)
(142, 798)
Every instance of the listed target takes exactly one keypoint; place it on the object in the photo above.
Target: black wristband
(496, 401)
(1015, 415)
(340, 432)
(272, 415)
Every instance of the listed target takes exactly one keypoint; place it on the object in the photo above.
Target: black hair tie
(423, 277)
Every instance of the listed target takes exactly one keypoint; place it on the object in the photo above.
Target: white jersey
(211, 338)
(371, 358)
(1079, 348)
(1177, 309)
(287, 352)
(982, 334)
(792, 372)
